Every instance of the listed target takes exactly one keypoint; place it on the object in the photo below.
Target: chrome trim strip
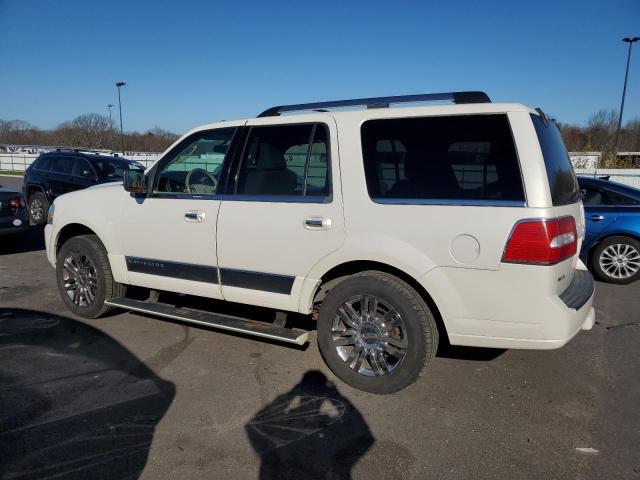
(276, 199)
(243, 198)
(449, 202)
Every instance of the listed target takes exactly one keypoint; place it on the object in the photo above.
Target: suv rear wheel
(38, 208)
(84, 277)
(376, 333)
(617, 260)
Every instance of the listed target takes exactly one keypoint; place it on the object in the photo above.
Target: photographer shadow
(310, 432)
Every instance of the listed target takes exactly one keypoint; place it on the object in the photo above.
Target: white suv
(393, 227)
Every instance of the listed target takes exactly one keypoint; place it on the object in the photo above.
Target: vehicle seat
(428, 175)
(269, 175)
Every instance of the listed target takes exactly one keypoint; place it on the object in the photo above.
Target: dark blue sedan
(612, 241)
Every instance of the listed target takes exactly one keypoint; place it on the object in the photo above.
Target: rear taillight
(16, 203)
(543, 241)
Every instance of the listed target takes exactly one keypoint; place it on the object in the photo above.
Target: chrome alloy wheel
(620, 260)
(80, 279)
(36, 209)
(369, 335)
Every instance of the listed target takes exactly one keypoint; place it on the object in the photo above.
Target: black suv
(63, 171)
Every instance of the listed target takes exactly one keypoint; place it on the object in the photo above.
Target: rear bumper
(525, 314)
(15, 224)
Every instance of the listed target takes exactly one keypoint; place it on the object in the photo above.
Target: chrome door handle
(596, 218)
(194, 216)
(317, 223)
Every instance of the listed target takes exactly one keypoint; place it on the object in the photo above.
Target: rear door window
(63, 165)
(562, 179)
(286, 161)
(457, 159)
(44, 163)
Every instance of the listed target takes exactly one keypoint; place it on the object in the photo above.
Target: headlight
(52, 209)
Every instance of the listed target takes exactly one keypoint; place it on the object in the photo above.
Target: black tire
(421, 331)
(38, 208)
(89, 249)
(599, 256)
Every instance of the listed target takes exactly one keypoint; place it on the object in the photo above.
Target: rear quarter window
(563, 184)
(457, 159)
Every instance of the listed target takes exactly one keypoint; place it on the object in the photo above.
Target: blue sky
(195, 61)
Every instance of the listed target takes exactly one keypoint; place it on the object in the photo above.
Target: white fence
(18, 162)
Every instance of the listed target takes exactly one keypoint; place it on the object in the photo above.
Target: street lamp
(109, 106)
(624, 89)
(120, 84)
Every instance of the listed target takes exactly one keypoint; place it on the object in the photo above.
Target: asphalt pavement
(131, 396)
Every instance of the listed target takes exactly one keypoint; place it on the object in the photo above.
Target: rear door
(282, 212)
(60, 177)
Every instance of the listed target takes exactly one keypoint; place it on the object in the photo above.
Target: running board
(216, 320)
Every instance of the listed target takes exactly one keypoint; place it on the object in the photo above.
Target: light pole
(121, 84)
(630, 41)
(109, 106)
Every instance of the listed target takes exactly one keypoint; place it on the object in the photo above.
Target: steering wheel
(205, 173)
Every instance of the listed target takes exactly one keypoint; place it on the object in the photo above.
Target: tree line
(90, 130)
(95, 131)
(599, 134)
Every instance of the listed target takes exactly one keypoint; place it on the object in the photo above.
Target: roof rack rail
(84, 150)
(381, 102)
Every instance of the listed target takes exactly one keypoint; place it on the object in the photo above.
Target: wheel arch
(344, 270)
(72, 230)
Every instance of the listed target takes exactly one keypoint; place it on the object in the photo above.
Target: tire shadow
(73, 401)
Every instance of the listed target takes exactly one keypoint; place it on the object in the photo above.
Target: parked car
(612, 241)
(393, 227)
(62, 171)
(14, 219)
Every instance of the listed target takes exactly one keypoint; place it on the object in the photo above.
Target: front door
(170, 235)
(282, 214)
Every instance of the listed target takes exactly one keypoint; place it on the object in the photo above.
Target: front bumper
(49, 242)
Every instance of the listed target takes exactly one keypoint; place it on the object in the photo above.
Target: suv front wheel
(376, 333)
(84, 277)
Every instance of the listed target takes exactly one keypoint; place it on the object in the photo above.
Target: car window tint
(455, 158)
(195, 164)
(619, 199)
(63, 165)
(592, 197)
(43, 163)
(278, 161)
(82, 165)
(110, 169)
(562, 179)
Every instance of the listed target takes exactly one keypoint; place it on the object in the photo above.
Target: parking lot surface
(131, 396)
